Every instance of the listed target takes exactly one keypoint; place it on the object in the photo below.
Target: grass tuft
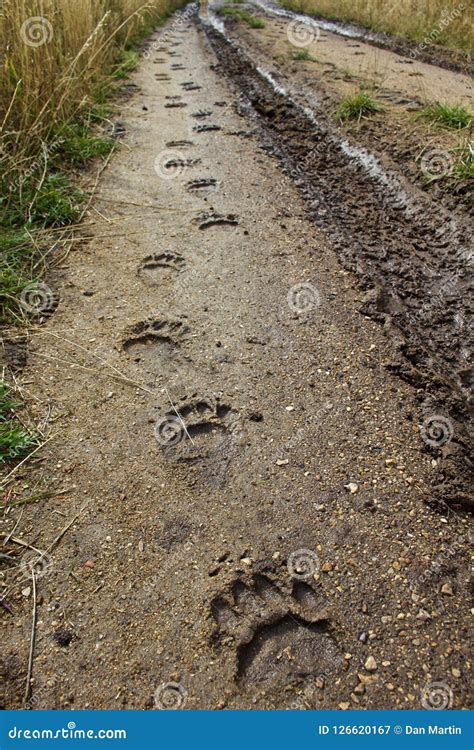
(464, 166)
(15, 440)
(358, 105)
(301, 54)
(456, 117)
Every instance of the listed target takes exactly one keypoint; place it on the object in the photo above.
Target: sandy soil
(227, 423)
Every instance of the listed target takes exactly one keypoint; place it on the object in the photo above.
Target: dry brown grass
(414, 19)
(43, 85)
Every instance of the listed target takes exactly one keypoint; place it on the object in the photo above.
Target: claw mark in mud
(175, 163)
(201, 114)
(175, 105)
(206, 220)
(241, 133)
(162, 77)
(206, 128)
(190, 86)
(174, 97)
(202, 184)
(153, 265)
(205, 426)
(151, 340)
(177, 66)
(179, 144)
(281, 632)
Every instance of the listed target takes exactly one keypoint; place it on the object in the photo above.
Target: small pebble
(370, 664)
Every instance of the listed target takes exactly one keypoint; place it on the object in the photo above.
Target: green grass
(39, 204)
(16, 256)
(128, 62)
(52, 202)
(464, 166)
(15, 440)
(357, 106)
(446, 115)
(301, 54)
(79, 144)
(255, 23)
(241, 15)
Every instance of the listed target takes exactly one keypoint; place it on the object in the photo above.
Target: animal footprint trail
(179, 144)
(201, 114)
(278, 632)
(196, 428)
(154, 266)
(178, 162)
(190, 86)
(152, 342)
(206, 128)
(202, 184)
(212, 219)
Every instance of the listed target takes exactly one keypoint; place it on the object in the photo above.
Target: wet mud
(413, 259)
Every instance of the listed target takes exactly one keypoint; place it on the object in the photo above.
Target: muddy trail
(241, 389)
(413, 258)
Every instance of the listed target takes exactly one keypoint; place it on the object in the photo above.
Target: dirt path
(252, 486)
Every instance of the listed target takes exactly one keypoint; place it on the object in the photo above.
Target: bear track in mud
(278, 632)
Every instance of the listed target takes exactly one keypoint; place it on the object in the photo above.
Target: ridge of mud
(411, 257)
